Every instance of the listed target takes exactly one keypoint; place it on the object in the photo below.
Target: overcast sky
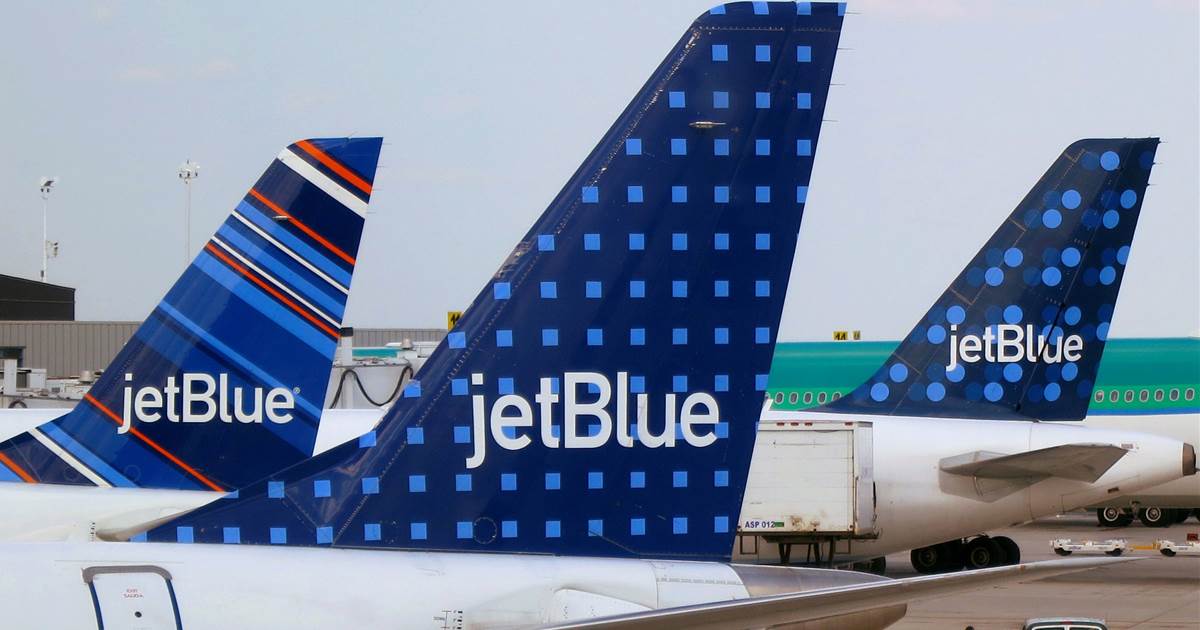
(945, 114)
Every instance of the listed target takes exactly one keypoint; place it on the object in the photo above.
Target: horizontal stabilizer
(1080, 462)
(834, 603)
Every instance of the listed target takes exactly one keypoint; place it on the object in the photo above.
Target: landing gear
(981, 553)
(1181, 515)
(939, 558)
(978, 553)
(874, 565)
(1196, 513)
(1156, 516)
(1010, 549)
(1113, 517)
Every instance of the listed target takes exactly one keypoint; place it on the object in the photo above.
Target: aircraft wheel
(1155, 517)
(1181, 515)
(982, 552)
(1063, 552)
(1114, 552)
(1196, 513)
(1010, 549)
(1168, 552)
(1113, 517)
(878, 565)
(926, 559)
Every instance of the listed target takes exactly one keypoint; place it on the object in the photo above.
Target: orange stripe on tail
(303, 228)
(334, 166)
(269, 289)
(8, 462)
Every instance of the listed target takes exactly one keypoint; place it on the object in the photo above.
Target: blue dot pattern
(693, 308)
(1055, 265)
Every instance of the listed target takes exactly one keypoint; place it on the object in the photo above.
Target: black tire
(1062, 552)
(981, 553)
(1114, 552)
(878, 565)
(1154, 516)
(1010, 549)
(1170, 553)
(926, 560)
(1181, 515)
(1113, 517)
(1196, 513)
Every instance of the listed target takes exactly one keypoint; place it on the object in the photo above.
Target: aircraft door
(133, 597)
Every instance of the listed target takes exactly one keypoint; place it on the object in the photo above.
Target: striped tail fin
(225, 380)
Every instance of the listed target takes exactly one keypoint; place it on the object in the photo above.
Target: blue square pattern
(595, 337)
(678, 146)
(231, 535)
(721, 382)
(679, 336)
(184, 534)
(637, 288)
(721, 146)
(760, 382)
(372, 531)
(464, 530)
(762, 100)
(418, 531)
(720, 194)
(591, 289)
(762, 53)
(637, 241)
(457, 340)
(413, 389)
(553, 481)
(416, 483)
(762, 146)
(637, 384)
(762, 288)
(801, 194)
(321, 488)
(679, 194)
(720, 524)
(762, 194)
(595, 527)
(553, 529)
(721, 336)
(500, 291)
(720, 52)
(545, 242)
(803, 53)
(458, 387)
(637, 336)
(720, 288)
(591, 242)
(595, 480)
(278, 535)
(633, 194)
(721, 241)
(679, 241)
(637, 526)
(762, 241)
(274, 489)
(803, 100)
(637, 479)
(505, 385)
(508, 482)
(549, 290)
(722, 431)
(591, 194)
(721, 100)
(721, 478)
(679, 525)
(762, 334)
(368, 439)
(462, 435)
(462, 482)
(804, 148)
(676, 100)
(679, 288)
(679, 383)
(761, 8)
(803, 8)
(633, 146)
(679, 479)
(508, 529)
(370, 485)
(504, 339)
(325, 535)
(549, 336)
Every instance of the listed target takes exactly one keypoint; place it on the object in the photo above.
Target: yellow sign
(452, 318)
(840, 335)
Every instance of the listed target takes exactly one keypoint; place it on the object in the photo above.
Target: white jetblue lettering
(1011, 343)
(587, 424)
(204, 398)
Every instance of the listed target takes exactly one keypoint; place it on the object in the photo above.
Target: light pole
(188, 171)
(45, 186)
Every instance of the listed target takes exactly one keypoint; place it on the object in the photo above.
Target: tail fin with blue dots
(600, 395)
(225, 379)
(1020, 331)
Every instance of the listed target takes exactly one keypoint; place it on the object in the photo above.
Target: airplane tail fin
(600, 395)
(225, 380)
(1020, 331)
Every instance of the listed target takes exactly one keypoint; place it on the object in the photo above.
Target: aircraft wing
(831, 603)
(1081, 462)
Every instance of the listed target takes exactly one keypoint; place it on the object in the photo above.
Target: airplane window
(1113, 396)
(1189, 393)
(821, 397)
(1129, 395)
(793, 397)
(837, 395)
(1158, 395)
(779, 398)
(1144, 395)
(1099, 395)
(1174, 394)
(807, 398)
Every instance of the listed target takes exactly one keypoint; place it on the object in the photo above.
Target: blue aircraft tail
(600, 395)
(1020, 331)
(224, 381)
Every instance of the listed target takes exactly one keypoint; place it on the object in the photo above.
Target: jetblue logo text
(201, 398)
(1011, 343)
(696, 417)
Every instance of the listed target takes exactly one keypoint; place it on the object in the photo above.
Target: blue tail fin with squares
(224, 381)
(1020, 331)
(600, 395)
